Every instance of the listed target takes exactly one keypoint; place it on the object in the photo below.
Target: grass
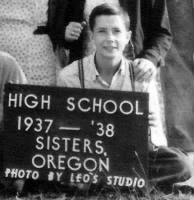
(56, 193)
(49, 196)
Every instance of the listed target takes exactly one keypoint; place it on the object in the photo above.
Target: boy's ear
(129, 34)
(91, 35)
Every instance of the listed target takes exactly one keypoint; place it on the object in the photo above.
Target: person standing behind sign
(23, 34)
(108, 69)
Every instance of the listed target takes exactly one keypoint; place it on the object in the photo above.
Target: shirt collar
(93, 72)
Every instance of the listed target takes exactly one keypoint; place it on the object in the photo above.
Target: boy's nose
(110, 35)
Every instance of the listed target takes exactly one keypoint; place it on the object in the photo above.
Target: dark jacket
(150, 27)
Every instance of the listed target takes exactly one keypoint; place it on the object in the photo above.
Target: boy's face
(110, 36)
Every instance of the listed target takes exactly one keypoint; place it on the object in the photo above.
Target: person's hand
(73, 31)
(152, 118)
(144, 70)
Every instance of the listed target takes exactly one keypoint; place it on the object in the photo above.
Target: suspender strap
(132, 76)
(81, 73)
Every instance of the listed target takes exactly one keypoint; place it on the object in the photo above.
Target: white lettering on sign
(76, 145)
(83, 178)
(21, 173)
(57, 151)
(74, 163)
(29, 124)
(109, 106)
(55, 175)
(30, 101)
(126, 181)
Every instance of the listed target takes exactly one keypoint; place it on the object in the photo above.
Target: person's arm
(10, 71)
(157, 43)
(68, 22)
(57, 19)
(159, 37)
(158, 137)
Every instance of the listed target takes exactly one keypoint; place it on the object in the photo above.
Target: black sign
(75, 135)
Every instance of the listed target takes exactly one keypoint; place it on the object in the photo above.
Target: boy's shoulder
(72, 69)
(70, 73)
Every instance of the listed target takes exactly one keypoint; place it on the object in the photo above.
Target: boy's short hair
(108, 9)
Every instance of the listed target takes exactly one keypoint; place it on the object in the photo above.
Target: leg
(169, 165)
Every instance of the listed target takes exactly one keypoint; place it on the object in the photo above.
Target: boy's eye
(117, 30)
(101, 31)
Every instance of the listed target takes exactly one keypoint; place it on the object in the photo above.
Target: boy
(108, 69)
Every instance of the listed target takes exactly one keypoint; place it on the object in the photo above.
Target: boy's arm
(158, 137)
(155, 123)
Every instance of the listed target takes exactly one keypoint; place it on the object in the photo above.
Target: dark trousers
(168, 165)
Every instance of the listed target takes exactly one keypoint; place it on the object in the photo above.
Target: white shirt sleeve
(158, 137)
